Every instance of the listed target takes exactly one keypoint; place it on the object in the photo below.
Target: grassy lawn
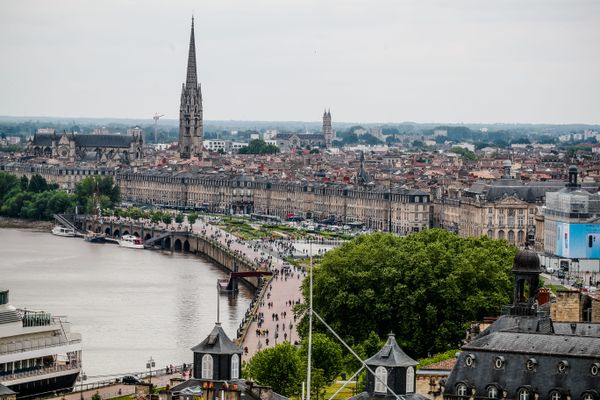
(345, 393)
(555, 288)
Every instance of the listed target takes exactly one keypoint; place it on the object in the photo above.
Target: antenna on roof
(218, 303)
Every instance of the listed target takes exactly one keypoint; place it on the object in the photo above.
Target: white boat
(62, 231)
(38, 352)
(131, 242)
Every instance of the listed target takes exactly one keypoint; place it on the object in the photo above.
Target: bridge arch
(167, 243)
(89, 227)
(117, 233)
(107, 231)
(98, 229)
(136, 234)
(125, 233)
(148, 236)
(177, 245)
(186, 246)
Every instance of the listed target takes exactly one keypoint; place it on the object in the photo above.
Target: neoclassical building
(503, 209)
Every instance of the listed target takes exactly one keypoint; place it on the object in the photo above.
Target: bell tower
(190, 111)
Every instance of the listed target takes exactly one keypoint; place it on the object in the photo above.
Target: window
(461, 389)
(531, 364)
(380, 378)
(470, 360)
(410, 380)
(588, 396)
(563, 366)
(207, 366)
(235, 366)
(524, 394)
(492, 392)
(595, 369)
(499, 362)
(555, 395)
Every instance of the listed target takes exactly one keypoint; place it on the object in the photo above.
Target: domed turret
(527, 261)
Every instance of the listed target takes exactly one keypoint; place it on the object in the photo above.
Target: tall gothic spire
(192, 80)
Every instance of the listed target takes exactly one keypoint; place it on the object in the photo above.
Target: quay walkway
(261, 328)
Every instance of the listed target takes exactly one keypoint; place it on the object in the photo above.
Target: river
(129, 305)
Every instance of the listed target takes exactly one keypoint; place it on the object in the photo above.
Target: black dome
(527, 260)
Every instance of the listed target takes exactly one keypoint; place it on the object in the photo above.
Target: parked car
(131, 380)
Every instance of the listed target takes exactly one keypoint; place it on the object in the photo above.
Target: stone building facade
(504, 209)
(327, 129)
(102, 149)
(402, 211)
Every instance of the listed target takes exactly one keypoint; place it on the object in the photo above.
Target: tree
(192, 218)
(37, 184)
(91, 188)
(167, 218)
(179, 218)
(326, 355)
(279, 367)
(156, 217)
(24, 183)
(258, 146)
(426, 287)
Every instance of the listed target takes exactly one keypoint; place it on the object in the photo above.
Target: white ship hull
(65, 232)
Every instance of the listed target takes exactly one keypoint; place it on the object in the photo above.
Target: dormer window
(235, 366)
(207, 366)
(380, 380)
(462, 390)
(492, 392)
(499, 362)
(531, 364)
(524, 394)
(563, 366)
(595, 369)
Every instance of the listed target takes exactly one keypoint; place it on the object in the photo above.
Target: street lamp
(149, 364)
(81, 378)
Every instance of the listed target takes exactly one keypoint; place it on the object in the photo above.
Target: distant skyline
(495, 61)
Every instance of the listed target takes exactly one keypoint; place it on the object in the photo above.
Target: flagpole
(310, 318)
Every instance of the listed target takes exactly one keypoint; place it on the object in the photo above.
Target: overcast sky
(369, 61)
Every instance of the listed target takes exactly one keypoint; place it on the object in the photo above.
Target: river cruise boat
(131, 242)
(39, 355)
(59, 230)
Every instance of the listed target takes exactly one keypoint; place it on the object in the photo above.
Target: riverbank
(6, 222)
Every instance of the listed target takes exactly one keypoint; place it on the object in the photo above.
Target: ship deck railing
(23, 350)
(36, 371)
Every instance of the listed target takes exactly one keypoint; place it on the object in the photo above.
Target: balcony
(37, 371)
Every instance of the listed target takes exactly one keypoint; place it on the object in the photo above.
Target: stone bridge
(176, 241)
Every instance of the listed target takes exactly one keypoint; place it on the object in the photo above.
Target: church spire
(192, 80)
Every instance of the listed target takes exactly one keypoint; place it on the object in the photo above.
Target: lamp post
(81, 378)
(149, 364)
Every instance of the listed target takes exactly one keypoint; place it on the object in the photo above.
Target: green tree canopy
(192, 218)
(89, 191)
(279, 367)
(179, 218)
(425, 287)
(258, 146)
(326, 355)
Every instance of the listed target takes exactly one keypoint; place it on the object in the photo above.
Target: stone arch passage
(117, 233)
(136, 234)
(186, 246)
(125, 233)
(167, 243)
(148, 236)
(98, 229)
(89, 227)
(177, 245)
(107, 231)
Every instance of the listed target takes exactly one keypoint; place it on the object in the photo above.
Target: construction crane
(156, 118)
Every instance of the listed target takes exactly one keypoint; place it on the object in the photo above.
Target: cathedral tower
(327, 131)
(190, 111)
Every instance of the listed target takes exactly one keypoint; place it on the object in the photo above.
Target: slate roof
(531, 343)
(520, 324)
(391, 355)
(4, 391)
(103, 140)
(409, 396)
(530, 191)
(44, 139)
(123, 141)
(217, 342)
(581, 329)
